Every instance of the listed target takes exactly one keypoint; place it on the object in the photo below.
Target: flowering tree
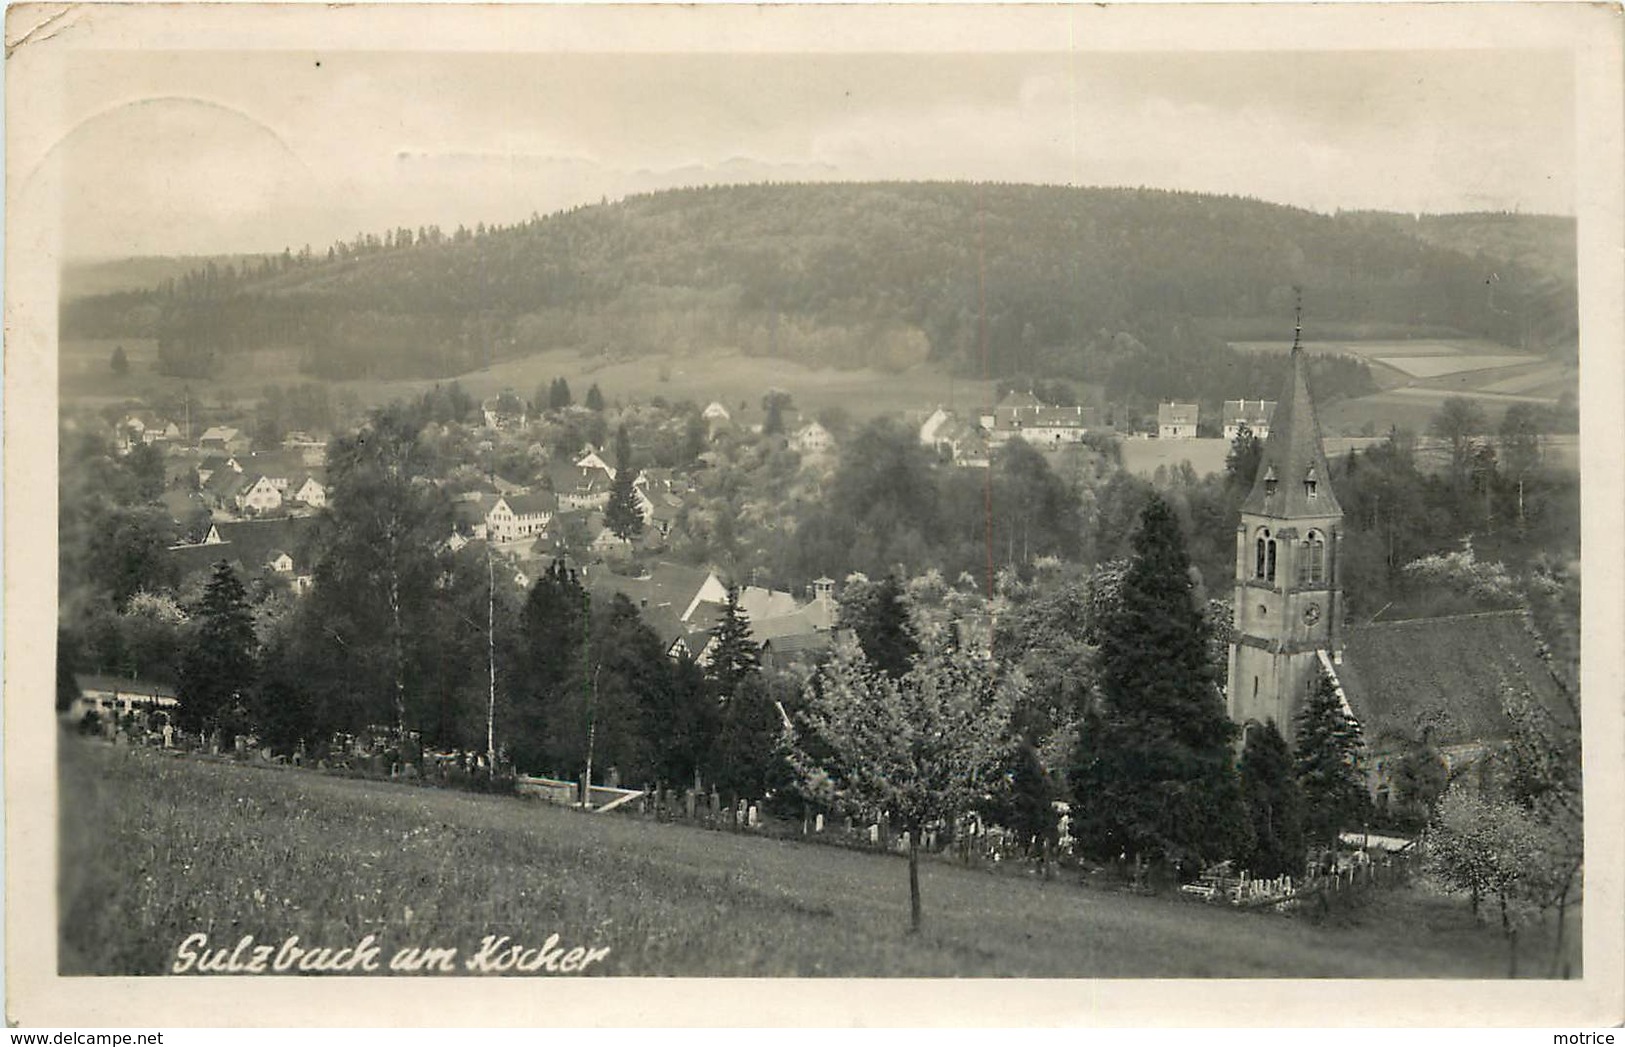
(923, 747)
(1493, 849)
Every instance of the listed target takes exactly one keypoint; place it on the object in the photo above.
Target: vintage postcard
(966, 515)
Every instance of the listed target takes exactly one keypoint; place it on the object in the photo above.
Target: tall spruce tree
(1155, 774)
(549, 670)
(1274, 804)
(217, 671)
(743, 759)
(736, 656)
(1328, 759)
(558, 395)
(595, 398)
(878, 617)
(622, 515)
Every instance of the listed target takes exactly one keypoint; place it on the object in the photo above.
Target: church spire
(1293, 477)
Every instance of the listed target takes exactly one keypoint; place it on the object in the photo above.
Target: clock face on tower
(1311, 614)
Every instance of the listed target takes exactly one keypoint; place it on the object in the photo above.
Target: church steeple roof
(1293, 477)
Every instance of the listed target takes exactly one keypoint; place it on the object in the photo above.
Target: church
(1396, 678)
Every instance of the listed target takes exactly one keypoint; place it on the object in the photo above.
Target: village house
(716, 418)
(683, 605)
(1254, 414)
(516, 516)
(258, 495)
(1024, 416)
(145, 427)
(309, 490)
(578, 487)
(280, 548)
(209, 465)
(592, 461)
(506, 411)
(223, 439)
(955, 439)
(1176, 421)
(812, 438)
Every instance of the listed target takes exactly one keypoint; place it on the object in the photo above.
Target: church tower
(1289, 599)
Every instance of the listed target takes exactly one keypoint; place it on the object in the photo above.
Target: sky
(221, 152)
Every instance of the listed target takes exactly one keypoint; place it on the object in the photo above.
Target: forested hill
(1125, 288)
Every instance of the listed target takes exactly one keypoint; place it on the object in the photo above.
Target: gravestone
(751, 816)
(818, 823)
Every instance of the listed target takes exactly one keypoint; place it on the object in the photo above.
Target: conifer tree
(774, 404)
(595, 399)
(1328, 759)
(217, 671)
(878, 617)
(1155, 776)
(1274, 804)
(120, 362)
(558, 396)
(744, 759)
(1241, 464)
(622, 515)
(736, 656)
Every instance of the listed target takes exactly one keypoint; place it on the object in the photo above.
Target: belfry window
(1312, 567)
(1269, 566)
(1264, 557)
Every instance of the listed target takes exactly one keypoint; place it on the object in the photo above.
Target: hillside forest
(1132, 291)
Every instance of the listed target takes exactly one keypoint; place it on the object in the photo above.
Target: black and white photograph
(1041, 497)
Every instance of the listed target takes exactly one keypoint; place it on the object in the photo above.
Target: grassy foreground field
(156, 848)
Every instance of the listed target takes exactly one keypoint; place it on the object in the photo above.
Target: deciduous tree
(923, 748)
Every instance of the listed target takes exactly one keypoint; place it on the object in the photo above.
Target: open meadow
(157, 847)
(1416, 375)
(731, 378)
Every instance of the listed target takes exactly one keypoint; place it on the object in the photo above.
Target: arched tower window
(1312, 566)
(1269, 564)
(1265, 555)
